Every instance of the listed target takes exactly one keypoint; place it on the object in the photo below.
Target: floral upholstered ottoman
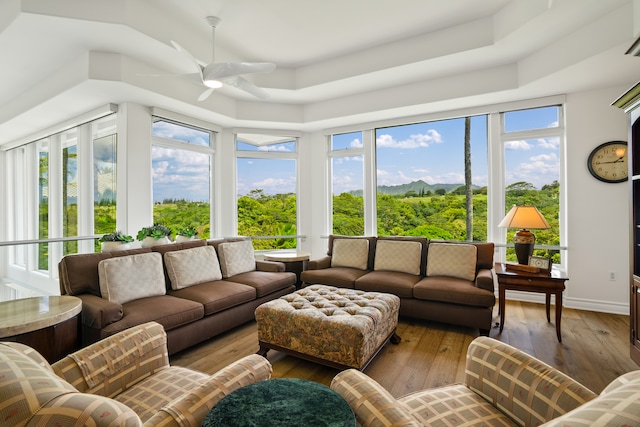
(341, 328)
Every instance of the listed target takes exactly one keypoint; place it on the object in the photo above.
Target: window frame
(282, 137)
(495, 163)
(175, 144)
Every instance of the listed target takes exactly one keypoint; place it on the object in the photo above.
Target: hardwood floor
(594, 350)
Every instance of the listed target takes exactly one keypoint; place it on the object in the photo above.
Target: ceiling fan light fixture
(214, 84)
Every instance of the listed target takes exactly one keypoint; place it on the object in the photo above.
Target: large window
(266, 186)
(432, 179)
(182, 158)
(451, 179)
(52, 184)
(531, 140)
(347, 184)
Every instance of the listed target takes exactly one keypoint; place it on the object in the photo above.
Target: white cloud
(550, 143)
(414, 141)
(517, 145)
(356, 143)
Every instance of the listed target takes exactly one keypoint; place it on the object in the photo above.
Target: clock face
(608, 162)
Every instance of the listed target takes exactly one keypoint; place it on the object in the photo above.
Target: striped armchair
(503, 387)
(123, 380)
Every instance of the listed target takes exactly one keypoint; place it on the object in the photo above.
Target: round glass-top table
(282, 402)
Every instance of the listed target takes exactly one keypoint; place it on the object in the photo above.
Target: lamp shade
(524, 217)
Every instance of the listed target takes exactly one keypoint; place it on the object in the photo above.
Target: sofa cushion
(217, 296)
(236, 257)
(192, 266)
(126, 278)
(452, 260)
(340, 277)
(453, 290)
(266, 282)
(169, 311)
(398, 256)
(392, 282)
(353, 253)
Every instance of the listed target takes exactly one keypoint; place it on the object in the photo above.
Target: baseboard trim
(575, 303)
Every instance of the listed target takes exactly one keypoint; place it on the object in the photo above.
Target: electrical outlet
(612, 275)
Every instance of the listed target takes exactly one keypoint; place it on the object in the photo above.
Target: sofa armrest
(80, 409)
(114, 364)
(192, 408)
(617, 405)
(275, 266)
(527, 389)
(320, 263)
(98, 312)
(484, 280)
(371, 403)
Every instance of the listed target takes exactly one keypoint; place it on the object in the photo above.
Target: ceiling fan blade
(204, 95)
(221, 70)
(247, 86)
(188, 55)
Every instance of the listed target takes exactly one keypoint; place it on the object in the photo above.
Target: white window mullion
(370, 183)
(85, 186)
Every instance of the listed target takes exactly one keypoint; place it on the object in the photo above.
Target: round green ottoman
(282, 402)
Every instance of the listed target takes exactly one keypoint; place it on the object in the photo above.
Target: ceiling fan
(215, 74)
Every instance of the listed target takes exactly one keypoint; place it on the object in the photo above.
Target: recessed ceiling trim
(63, 126)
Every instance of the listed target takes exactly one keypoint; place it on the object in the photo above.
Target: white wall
(598, 213)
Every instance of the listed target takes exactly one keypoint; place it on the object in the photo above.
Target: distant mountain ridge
(417, 186)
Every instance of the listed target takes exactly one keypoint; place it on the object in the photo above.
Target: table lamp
(524, 218)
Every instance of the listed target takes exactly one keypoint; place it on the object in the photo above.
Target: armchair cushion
(191, 408)
(452, 260)
(124, 279)
(116, 363)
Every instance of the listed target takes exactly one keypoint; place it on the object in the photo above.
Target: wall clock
(608, 162)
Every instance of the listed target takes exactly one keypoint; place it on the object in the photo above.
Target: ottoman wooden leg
(262, 351)
(395, 338)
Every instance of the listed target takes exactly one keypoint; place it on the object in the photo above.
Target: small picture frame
(543, 263)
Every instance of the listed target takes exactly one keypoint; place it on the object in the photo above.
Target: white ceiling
(339, 62)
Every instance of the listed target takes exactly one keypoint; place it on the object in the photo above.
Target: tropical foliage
(438, 214)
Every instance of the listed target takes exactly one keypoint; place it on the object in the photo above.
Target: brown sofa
(131, 287)
(443, 281)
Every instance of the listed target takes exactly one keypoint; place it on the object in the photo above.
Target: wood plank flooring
(594, 350)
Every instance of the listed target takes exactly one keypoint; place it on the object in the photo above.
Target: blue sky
(432, 152)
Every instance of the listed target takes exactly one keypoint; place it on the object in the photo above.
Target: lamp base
(523, 242)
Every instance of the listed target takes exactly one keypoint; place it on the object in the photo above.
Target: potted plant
(116, 241)
(157, 234)
(186, 233)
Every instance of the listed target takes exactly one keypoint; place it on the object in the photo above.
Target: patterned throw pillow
(236, 257)
(398, 256)
(131, 277)
(452, 260)
(352, 253)
(192, 266)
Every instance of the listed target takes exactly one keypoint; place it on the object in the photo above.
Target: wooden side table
(546, 283)
(48, 324)
(295, 262)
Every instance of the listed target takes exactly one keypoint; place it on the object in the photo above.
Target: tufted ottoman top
(331, 301)
(343, 326)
